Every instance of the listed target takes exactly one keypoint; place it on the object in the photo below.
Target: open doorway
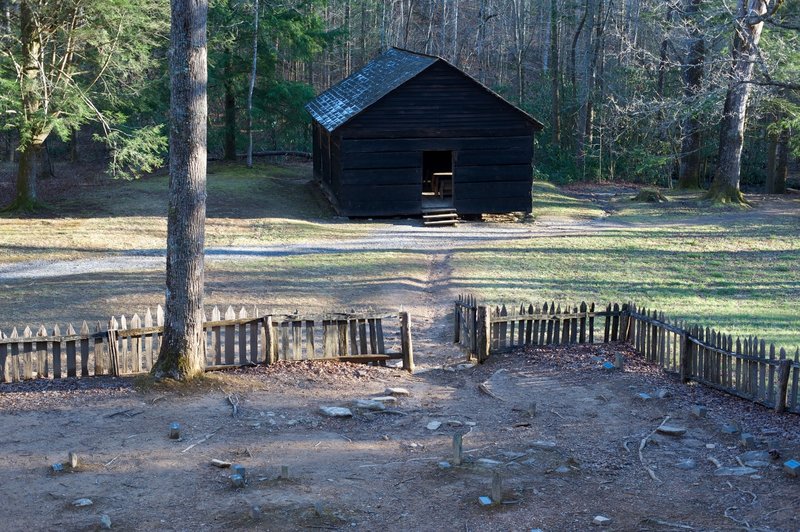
(437, 178)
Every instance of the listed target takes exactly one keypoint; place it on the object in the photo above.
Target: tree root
(726, 195)
(25, 206)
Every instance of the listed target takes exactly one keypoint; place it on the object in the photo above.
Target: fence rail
(745, 367)
(129, 347)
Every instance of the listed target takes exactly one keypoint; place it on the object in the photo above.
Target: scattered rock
(754, 455)
(237, 481)
(643, 396)
(73, 460)
(663, 393)
(699, 411)
(746, 440)
(397, 391)
(368, 404)
(105, 522)
(671, 430)
(734, 471)
(542, 444)
(730, 429)
(220, 463)
(444, 464)
(470, 423)
(488, 463)
(711, 446)
(484, 500)
(792, 468)
(335, 411)
(79, 503)
(562, 470)
(386, 399)
(433, 425)
(601, 520)
(454, 423)
(686, 464)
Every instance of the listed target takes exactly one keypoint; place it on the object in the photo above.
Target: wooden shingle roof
(376, 79)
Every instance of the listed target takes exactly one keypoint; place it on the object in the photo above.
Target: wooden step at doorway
(439, 217)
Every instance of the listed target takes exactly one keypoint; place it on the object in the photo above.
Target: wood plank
(285, 350)
(297, 340)
(362, 336)
(72, 350)
(342, 325)
(255, 333)
(310, 349)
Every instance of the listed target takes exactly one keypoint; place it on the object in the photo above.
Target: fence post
(268, 341)
(686, 358)
(457, 323)
(484, 334)
(405, 342)
(113, 353)
(783, 385)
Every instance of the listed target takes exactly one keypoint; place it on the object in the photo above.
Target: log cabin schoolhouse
(410, 132)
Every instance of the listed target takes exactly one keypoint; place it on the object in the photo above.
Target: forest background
(629, 90)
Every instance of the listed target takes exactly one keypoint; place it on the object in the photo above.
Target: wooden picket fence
(130, 347)
(745, 367)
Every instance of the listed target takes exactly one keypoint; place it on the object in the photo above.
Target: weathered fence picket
(128, 347)
(746, 367)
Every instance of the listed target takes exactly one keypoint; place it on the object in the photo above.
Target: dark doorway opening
(437, 178)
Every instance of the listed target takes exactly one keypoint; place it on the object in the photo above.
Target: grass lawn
(738, 270)
(734, 269)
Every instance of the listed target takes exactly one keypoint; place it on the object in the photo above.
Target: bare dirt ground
(577, 457)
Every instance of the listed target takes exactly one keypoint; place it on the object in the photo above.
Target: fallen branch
(642, 445)
(112, 461)
(204, 438)
(485, 389)
(654, 521)
(714, 461)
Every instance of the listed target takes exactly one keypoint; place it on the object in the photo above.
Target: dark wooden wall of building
(376, 157)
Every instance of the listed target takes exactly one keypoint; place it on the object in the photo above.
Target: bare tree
(252, 86)
(182, 354)
(692, 75)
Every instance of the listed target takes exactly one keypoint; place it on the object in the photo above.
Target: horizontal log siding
(440, 99)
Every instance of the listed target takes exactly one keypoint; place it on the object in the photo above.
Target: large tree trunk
(778, 167)
(34, 134)
(230, 109)
(252, 87)
(692, 76)
(725, 187)
(182, 354)
(555, 76)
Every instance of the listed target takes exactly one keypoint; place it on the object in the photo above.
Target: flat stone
(746, 440)
(488, 462)
(335, 411)
(699, 411)
(754, 455)
(433, 425)
(734, 471)
(444, 464)
(601, 520)
(711, 446)
(511, 455)
(397, 391)
(543, 444)
(73, 460)
(386, 399)
(470, 423)
(671, 430)
(78, 503)
(368, 404)
(454, 423)
(643, 396)
(730, 429)
(792, 468)
(105, 522)
(220, 463)
(756, 463)
(483, 500)
(686, 464)
(562, 470)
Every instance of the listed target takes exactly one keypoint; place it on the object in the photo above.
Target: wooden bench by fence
(129, 347)
(745, 367)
